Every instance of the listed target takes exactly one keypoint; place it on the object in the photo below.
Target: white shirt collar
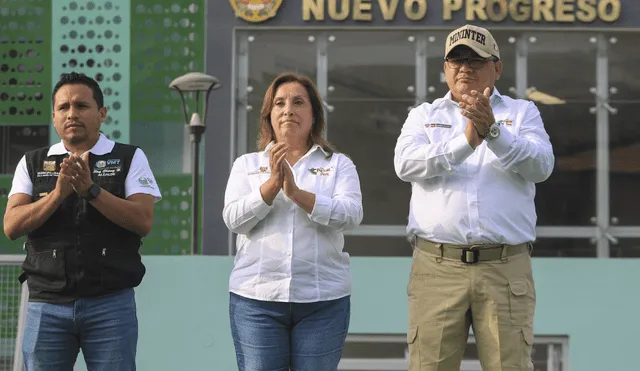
(495, 98)
(103, 146)
(313, 148)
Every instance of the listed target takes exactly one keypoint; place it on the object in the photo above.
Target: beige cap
(477, 38)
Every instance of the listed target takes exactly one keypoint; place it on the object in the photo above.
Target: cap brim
(481, 53)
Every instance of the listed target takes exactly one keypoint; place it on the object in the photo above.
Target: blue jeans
(273, 336)
(104, 327)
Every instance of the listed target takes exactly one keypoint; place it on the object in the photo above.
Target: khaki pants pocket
(521, 302)
(414, 349)
(527, 336)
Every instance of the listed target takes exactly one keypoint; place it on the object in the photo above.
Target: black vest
(78, 252)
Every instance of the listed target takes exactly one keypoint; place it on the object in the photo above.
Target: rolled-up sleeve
(416, 158)
(530, 154)
(343, 210)
(243, 208)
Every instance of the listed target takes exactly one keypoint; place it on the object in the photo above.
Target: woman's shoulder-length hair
(266, 134)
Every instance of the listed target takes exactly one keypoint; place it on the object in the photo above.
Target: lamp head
(195, 82)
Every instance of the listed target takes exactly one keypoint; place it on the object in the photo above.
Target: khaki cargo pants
(447, 296)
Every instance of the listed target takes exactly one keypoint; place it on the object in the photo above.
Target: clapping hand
(77, 173)
(477, 108)
(269, 189)
(289, 186)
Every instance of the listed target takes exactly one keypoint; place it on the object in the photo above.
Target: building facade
(374, 60)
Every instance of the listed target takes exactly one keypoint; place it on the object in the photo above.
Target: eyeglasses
(474, 63)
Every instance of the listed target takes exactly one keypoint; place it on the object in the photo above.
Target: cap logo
(468, 34)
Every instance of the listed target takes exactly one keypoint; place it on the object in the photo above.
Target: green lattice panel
(10, 303)
(93, 37)
(7, 246)
(171, 233)
(9, 292)
(167, 41)
(9, 285)
(25, 71)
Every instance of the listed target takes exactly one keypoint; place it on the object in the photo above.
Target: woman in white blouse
(289, 203)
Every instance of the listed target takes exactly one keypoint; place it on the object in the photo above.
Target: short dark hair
(79, 78)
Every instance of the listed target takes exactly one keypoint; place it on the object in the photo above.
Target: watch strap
(93, 192)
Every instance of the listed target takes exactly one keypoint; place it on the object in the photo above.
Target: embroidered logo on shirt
(320, 171)
(146, 182)
(261, 169)
(506, 122)
(49, 165)
(100, 164)
(437, 125)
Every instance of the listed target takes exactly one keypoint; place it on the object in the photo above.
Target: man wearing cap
(472, 158)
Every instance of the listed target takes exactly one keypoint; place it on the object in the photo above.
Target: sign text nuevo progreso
(565, 11)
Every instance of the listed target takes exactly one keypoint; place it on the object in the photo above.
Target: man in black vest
(83, 204)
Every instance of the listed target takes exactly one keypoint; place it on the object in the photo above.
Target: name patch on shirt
(437, 125)
(261, 170)
(322, 171)
(107, 170)
(505, 122)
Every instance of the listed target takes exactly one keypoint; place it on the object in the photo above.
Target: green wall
(183, 309)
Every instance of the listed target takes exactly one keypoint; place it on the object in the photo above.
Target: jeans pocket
(46, 270)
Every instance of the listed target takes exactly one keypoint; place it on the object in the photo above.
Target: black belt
(472, 254)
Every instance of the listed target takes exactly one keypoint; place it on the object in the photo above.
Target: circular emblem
(255, 11)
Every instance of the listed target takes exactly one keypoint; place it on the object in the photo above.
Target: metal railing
(13, 309)
(557, 354)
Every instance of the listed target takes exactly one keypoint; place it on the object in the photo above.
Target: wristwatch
(93, 192)
(494, 131)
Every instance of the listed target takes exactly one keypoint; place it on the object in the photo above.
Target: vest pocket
(46, 270)
(120, 269)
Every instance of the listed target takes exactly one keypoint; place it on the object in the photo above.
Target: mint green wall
(184, 324)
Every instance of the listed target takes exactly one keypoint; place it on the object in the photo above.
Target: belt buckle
(470, 256)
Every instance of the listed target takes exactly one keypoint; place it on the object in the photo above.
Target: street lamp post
(195, 83)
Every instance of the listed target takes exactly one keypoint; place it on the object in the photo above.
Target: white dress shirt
(140, 178)
(283, 253)
(464, 196)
